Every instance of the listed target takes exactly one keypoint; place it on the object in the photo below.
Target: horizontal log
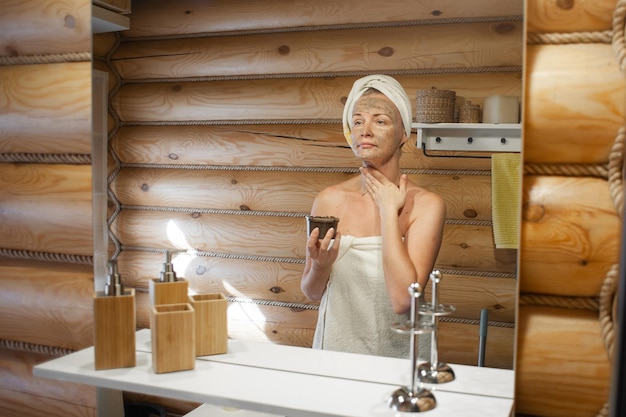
(560, 360)
(46, 208)
(548, 16)
(280, 282)
(161, 17)
(46, 108)
(571, 235)
(469, 45)
(103, 43)
(470, 294)
(21, 392)
(46, 303)
(292, 145)
(466, 196)
(569, 116)
(284, 99)
(466, 247)
(458, 343)
(40, 27)
(17, 404)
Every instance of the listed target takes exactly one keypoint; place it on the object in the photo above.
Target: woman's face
(377, 128)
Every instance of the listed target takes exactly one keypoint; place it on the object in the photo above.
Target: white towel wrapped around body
(355, 313)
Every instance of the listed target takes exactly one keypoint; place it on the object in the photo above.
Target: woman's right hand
(323, 251)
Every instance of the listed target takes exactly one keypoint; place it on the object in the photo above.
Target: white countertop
(292, 381)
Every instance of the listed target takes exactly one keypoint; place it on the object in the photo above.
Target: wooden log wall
(574, 113)
(225, 128)
(46, 278)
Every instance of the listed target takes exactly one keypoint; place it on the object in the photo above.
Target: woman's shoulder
(423, 197)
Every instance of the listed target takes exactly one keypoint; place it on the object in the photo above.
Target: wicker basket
(435, 106)
(469, 113)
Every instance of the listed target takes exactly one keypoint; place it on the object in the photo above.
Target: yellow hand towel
(505, 199)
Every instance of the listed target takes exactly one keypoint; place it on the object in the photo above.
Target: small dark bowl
(323, 223)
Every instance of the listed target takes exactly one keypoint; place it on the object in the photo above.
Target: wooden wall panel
(46, 303)
(46, 208)
(23, 395)
(551, 16)
(282, 99)
(40, 27)
(572, 118)
(571, 235)
(493, 44)
(46, 108)
(304, 145)
(162, 18)
(279, 190)
(562, 366)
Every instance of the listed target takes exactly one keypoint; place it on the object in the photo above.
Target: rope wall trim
(46, 256)
(571, 170)
(348, 170)
(46, 59)
(33, 348)
(567, 38)
(418, 71)
(117, 162)
(581, 303)
(45, 158)
(422, 22)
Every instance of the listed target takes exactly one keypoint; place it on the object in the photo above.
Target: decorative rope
(220, 255)
(476, 322)
(581, 303)
(347, 170)
(416, 71)
(46, 256)
(570, 170)
(233, 212)
(482, 274)
(608, 290)
(369, 25)
(565, 38)
(40, 158)
(608, 298)
(298, 306)
(619, 46)
(46, 59)
(118, 163)
(32, 348)
(616, 170)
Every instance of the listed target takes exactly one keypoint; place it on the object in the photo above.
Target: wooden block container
(175, 292)
(173, 337)
(114, 330)
(211, 323)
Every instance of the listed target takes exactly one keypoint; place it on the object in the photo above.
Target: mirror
(226, 123)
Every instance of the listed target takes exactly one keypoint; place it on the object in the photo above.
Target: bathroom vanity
(288, 381)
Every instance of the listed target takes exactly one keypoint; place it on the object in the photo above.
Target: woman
(388, 237)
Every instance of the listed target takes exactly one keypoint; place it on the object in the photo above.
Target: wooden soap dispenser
(168, 288)
(114, 323)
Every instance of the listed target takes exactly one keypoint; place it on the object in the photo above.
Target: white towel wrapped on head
(386, 85)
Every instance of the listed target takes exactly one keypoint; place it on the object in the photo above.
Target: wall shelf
(469, 137)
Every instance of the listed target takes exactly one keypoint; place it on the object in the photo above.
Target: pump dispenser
(114, 323)
(113, 285)
(168, 288)
(168, 274)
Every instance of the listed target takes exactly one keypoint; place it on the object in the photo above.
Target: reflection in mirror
(225, 123)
